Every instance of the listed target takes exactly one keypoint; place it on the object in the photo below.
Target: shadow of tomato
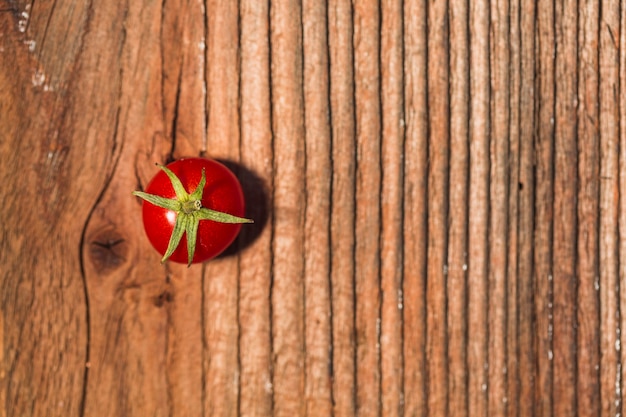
(255, 192)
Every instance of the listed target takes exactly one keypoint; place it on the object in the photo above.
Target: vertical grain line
(331, 208)
(368, 211)
(512, 406)
(205, 77)
(527, 126)
(305, 185)
(479, 192)
(621, 95)
(544, 207)
(588, 217)
(355, 356)
(438, 77)
(239, 153)
(415, 233)
(343, 232)
(457, 259)
(565, 222)
(500, 147)
(609, 208)
(390, 242)
(272, 255)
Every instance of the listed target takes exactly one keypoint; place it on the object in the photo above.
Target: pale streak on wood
(342, 222)
(479, 207)
(415, 207)
(498, 207)
(609, 210)
(288, 208)
(220, 277)
(318, 393)
(255, 392)
(391, 208)
(368, 186)
(587, 267)
(458, 212)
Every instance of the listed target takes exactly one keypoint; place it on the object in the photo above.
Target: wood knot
(162, 298)
(107, 251)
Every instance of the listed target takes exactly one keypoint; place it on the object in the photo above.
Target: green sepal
(177, 234)
(218, 216)
(197, 194)
(179, 189)
(192, 235)
(166, 203)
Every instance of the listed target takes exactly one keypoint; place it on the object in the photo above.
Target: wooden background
(437, 187)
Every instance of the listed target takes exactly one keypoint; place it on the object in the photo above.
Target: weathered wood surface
(438, 188)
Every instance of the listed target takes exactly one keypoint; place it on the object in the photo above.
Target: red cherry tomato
(222, 193)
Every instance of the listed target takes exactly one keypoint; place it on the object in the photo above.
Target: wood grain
(437, 189)
(588, 267)
(477, 298)
(342, 207)
(255, 267)
(368, 211)
(317, 257)
(287, 297)
(565, 184)
(457, 262)
(610, 339)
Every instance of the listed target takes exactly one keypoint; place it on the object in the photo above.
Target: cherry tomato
(178, 205)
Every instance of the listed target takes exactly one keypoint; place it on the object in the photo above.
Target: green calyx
(189, 212)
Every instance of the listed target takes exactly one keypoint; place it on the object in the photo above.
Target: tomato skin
(222, 192)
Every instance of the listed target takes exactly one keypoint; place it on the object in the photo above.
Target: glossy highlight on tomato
(217, 209)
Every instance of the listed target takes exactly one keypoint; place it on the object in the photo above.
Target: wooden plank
(44, 313)
(458, 212)
(392, 106)
(367, 222)
(415, 203)
(619, 388)
(498, 207)
(184, 118)
(317, 213)
(438, 189)
(525, 300)
(220, 284)
(544, 209)
(288, 208)
(609, 261)
(477, 354)
(514, 232)
(342, 222)
(565, 183)
(129, 299)
(587, 267)
(255, 269)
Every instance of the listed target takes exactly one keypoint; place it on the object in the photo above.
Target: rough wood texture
(438, 189)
